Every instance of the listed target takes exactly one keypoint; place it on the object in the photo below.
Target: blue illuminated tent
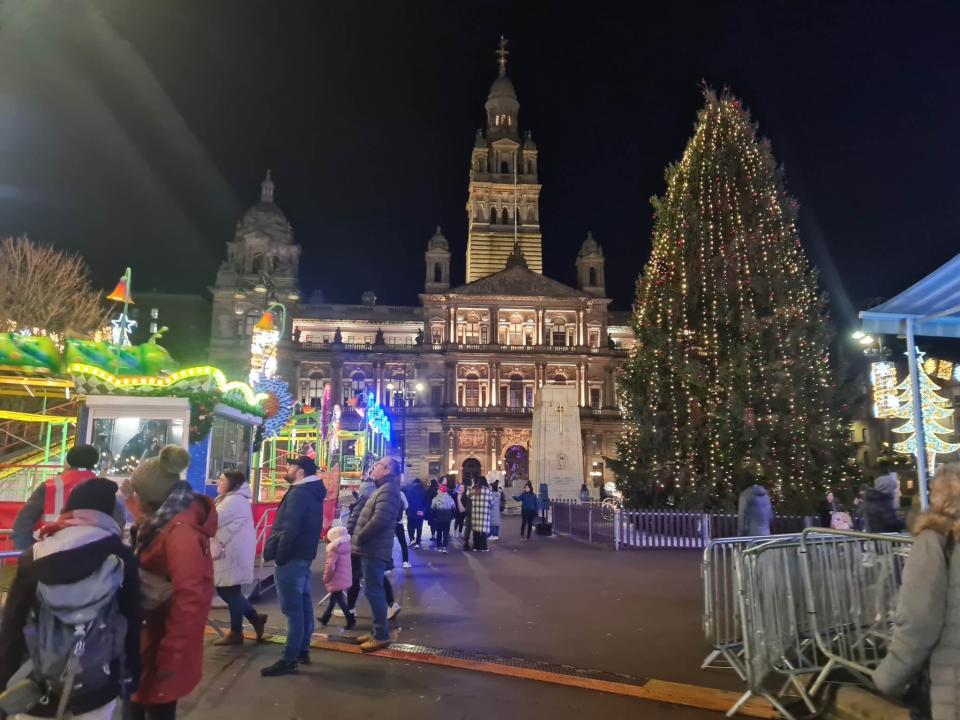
(929, 308)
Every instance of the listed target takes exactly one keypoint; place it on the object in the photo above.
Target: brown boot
(373, 645)
(363, 638)
(259, 625)
(231, 638)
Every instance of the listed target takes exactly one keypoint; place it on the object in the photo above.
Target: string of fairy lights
(731, 360)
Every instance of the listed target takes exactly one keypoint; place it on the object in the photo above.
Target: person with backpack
(234, 551)
(48, 500)
(922, 655)
(442, 512)
(78, 568)
(172, 542)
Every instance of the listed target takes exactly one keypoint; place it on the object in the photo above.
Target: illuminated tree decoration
(935, 408)
(278, 407)
(264, 339)
(883, 378)
(730, 376)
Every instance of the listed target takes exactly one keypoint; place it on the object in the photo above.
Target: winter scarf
(179, 499)
(79, 518)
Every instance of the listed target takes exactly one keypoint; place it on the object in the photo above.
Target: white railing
(653, 528)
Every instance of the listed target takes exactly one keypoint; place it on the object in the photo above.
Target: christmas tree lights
(935, 408)
(730, 375)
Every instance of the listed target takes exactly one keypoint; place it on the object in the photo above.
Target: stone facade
(459, 371)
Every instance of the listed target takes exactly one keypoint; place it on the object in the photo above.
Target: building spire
(502, 53)
(266, 189)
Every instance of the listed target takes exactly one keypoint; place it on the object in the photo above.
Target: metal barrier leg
(708, 661)
(739, 703)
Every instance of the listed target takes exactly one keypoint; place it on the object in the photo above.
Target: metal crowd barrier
(721, 614)
(785, 611)
(852, 581)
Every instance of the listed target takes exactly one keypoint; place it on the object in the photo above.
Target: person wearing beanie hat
(293, 543)
(880, 506)
(77, 554)
(47, 501)
(443, 511)
(172, 542)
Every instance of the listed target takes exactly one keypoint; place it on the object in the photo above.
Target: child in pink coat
(337, 575)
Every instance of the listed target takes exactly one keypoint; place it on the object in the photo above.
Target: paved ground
(340, 686)
(550, 599)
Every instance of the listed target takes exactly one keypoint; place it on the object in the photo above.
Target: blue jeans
(373, 571)
(293, 587)
(239, 606)
(495, 530)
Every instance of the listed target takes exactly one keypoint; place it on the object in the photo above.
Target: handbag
(155, 589)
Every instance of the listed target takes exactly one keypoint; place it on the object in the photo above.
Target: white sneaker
(494, 537)
(407, 565)
(392, 611)
(337, 611)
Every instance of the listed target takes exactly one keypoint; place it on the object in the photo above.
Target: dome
(590, 247)
(438, 241)
(265, 217)
(502, 88)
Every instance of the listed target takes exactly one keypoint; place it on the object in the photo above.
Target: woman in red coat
(176, 579)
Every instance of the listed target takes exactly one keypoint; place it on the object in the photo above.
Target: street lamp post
(405, 393)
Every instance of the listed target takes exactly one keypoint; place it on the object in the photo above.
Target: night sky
(138, 132)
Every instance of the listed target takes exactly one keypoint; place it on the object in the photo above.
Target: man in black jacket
(293, 543)
(71, 549)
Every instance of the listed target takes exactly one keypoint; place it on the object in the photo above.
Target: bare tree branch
(46, 292)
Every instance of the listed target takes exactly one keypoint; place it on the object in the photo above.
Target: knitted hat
(443, 487)
(83, 456)
(153, 479)
(95, 494)
(887, 484)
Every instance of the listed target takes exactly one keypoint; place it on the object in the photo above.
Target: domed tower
(262, 258)
(503, 200)
(590, 264)
(438, 263)
(262, 243)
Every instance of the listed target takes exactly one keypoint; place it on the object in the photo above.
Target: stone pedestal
(556, 444)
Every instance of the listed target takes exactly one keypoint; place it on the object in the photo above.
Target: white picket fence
(652, 528)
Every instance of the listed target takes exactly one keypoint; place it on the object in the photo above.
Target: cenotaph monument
(556, 445)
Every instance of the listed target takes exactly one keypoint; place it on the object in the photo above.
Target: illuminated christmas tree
(730, 377)
(935, 408)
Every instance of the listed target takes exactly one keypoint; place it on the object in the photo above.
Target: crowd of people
(125, 575)
(874, 509)
(468, 511)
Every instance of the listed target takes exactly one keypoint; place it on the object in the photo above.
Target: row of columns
(493, 381)
(541, 334)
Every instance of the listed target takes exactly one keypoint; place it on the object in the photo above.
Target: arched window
(529, 167)
(559, 332)
(516, 330)
(437, 273)
(358, 383)
(471, 330)
(471, 396)
(592, 274)
(493, 216)
(531, 216)
(504, 167)
(504, 218)
(515, 394)
(258, 262)
(315, 389)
